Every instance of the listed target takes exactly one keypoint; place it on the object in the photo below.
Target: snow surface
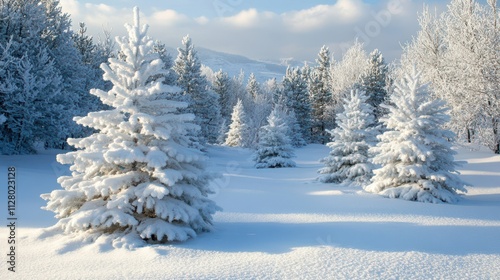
(277, 224)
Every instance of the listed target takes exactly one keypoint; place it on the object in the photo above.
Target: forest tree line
(47, 70)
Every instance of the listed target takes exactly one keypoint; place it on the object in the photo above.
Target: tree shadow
(279, 238)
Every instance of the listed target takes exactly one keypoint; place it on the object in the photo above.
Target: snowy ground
(277, 224)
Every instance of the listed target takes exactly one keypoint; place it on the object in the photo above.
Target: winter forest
(138, 126)
(48, 70)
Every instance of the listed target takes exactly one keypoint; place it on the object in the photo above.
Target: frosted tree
(457, 51)
(238, 129)
(136, 178)
(203, 102)
(321, 96)
(257, 104)
(167, 60)
(31, 98)
(347, 73)
(274, 148)
(91, 58)
(77, 77)
(296, 98)
(253, 86)
(349, 160)
(417, 162)
(272, 88)
(223, 87)
(373, 82)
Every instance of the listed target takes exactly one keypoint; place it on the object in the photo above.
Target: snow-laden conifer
(203, 102)
(417, 162)
(238, 129)
(137, 175)
(374, 82)
(296, 98)
(348, 162)
(320, 95)
(274, 145)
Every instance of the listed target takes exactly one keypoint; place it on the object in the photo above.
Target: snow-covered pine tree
(222, 86)
(137, 176)
(417, 162)
(253, 87)
(91, 58)
(296, 98)
(274, 149)
(203, 102)
(349, 160)
(373, 82)
(238, 129)
(76, 81)
(320, 96)
(168, 62)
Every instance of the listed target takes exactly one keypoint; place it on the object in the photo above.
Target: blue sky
(263, 29)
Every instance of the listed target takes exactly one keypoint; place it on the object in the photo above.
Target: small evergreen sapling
(274, 145)
(417, 162)
(349, 160)
(136, 177)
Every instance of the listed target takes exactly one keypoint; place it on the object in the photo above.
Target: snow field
(280, 224)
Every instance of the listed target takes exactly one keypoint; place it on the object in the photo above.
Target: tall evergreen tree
(321, 96)
(274, 149)
(169, 77)
(91, 58)
(349, 161)
(136, 177)
(415, 152)
(75, 85)
(203, 102)
(374, 82)
(296, 99)
(222, 86)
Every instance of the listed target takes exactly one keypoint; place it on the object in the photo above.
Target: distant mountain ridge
(233, 64)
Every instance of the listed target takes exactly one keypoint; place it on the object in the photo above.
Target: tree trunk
(469, 135)
(496, 137)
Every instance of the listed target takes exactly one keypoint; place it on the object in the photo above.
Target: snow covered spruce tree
(296, 98)
(320, 96)
(238, 129)
(136, 176)
(417, 162)
(204, 103)
(274, 145)
(349, 161)
(373, 82)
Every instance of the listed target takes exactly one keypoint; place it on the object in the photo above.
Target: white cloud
(71, 7)
(248, 18)
(202, 20)
(261, 34)
(168, 18)
(342, 12)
